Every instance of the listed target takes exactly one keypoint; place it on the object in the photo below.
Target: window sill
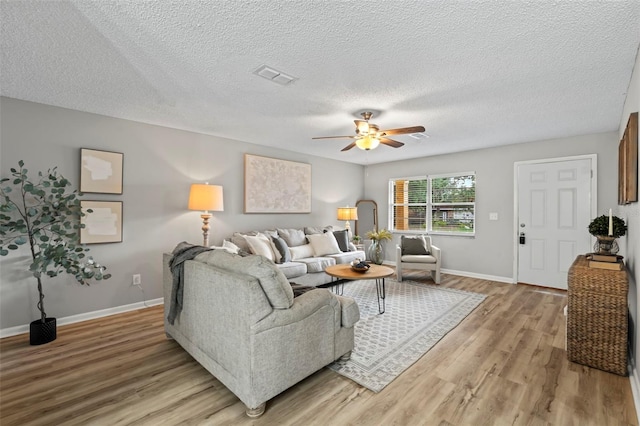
(448, 234)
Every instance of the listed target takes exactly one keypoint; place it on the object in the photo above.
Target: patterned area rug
(417, 316)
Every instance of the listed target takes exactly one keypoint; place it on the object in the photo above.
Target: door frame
(516, 184)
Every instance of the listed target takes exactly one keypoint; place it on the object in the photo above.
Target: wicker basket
(597, 321)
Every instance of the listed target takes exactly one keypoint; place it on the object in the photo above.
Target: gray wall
(491, 251)
(630, 246)
(159, 165)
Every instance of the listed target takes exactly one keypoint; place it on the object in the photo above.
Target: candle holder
(606, 245)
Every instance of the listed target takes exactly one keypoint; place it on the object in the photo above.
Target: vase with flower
(376, 249)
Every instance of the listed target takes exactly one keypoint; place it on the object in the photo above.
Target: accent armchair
(417, 252)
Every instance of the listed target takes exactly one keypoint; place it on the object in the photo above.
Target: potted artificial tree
(607, 229)
(44, 216)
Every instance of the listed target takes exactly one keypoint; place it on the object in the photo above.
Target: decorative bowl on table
(360, 265)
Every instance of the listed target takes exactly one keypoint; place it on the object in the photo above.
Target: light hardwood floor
(505, 364)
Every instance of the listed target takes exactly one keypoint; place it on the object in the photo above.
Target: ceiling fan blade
(403, 130)
(348, 147)
(333, 137)
(391, 142)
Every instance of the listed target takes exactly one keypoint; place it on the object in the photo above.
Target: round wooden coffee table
(376, 272)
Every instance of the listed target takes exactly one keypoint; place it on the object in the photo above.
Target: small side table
(597, 317)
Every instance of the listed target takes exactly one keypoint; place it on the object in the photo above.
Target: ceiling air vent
(274, 75)
(419, 136)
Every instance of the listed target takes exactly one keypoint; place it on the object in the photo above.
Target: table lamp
(207, 198)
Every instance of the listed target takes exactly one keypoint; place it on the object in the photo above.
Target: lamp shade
(206, 197)
(367, 143)
(347, 213)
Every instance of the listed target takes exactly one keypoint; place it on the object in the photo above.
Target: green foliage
(356, 239)
(45, 216)
(600, 226)
(381, 235)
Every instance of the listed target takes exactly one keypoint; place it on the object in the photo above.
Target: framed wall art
(628, 163)
(103, 224)
(100, 171)
(276, 186)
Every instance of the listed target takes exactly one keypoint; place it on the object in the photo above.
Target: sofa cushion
(348, 257)
(293, 269)
(282, 248)
(342, 237)
(311, 230)
(301, 252)
(273, 282)
(324, 244)
(414, 245)
(293, 237)
(317, 264)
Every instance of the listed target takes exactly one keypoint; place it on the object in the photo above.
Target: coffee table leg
(380, 290)
(338, 287)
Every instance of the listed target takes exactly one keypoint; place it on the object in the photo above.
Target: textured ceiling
(475, 74)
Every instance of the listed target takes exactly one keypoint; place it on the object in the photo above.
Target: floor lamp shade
(206, 198)
(347, 214)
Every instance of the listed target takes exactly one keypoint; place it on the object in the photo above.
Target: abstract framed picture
(276, 186)
(103, 224)
(100, 171)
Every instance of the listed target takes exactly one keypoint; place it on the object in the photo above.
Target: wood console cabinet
(597, 317)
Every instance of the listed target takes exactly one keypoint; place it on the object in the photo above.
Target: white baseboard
(21, 329)
(507, 280)
(635, 385)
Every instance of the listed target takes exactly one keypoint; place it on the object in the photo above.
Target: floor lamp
(207, 198)
(347, 214)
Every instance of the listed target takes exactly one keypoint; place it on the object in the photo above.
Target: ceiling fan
(368, 135)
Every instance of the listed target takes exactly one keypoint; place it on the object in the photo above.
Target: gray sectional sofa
(304, 252)
(239, 319)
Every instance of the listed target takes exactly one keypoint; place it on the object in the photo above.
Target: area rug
(417, 316)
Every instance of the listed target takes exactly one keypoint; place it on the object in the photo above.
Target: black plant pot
(42, 332)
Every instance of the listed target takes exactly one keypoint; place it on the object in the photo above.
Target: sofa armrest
(303, 306)
(350, 311)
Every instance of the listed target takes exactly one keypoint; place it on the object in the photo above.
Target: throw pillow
(260, 245)
(343, 239)
(283, 249)
(293, 237)
(324, 244)
(230, 247)
(301, 252)
(415, 245)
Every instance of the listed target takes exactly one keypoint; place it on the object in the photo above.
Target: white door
(554, 211)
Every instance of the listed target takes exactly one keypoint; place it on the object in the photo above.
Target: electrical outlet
(137, 279)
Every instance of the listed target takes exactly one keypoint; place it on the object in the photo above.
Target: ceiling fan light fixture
(367, 143)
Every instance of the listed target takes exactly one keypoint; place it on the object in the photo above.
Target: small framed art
(103, 224)
(100, 171)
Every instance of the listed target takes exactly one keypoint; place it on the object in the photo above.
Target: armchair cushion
(273, 282)
(414, 245)
(422, 258)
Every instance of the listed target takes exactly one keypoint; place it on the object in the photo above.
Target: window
(436, 204)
